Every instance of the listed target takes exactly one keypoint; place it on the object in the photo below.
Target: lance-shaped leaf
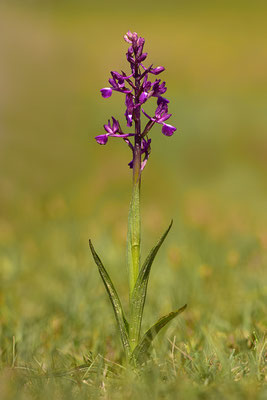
(138, 297)
(115, 301)
(142, 348)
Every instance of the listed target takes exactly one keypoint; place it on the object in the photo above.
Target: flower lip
(157, 70)
(146, 84)
(168, 130)
(106, 92)
(130, 37)
(101, 139)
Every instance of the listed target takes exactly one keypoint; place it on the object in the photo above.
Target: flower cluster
(138, 89)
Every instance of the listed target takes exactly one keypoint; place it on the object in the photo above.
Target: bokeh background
(58, 187)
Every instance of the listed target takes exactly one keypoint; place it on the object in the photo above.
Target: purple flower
(130, 56)
(118, 84)
(157, 70)
(101, 139)
(146, 84)
(136, 42)
(143, 97)
(112, 129)
(130, 37)
(158, 88)
(161, 113)
(145, 149)
(112, 132)
(140, 46)
(129, 110)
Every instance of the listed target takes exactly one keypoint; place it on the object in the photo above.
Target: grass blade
(139, 293)
(141, 350)
(115, 301)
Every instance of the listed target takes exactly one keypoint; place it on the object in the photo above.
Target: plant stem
(134, 221)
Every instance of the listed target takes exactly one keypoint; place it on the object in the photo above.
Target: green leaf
(141, 350)
(138, 297)
(115, 301)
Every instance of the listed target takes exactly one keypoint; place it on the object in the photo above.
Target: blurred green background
(58, 188)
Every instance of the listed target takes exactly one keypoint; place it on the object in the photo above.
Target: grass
(58, 188)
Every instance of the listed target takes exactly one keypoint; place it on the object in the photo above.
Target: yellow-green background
(58, 187)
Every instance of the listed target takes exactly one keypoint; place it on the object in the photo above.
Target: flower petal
(108, 128)
(143, 97)
(142, 57)
(162, 100)
(157, 70)
(106, 92)
(168, 130)
(129, 119)
(115, 125)
(163, 118)
(101, 139)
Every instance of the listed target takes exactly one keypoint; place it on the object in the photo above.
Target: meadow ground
(58, 337)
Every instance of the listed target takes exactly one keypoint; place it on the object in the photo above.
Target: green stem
(134, 224)
(134, 239)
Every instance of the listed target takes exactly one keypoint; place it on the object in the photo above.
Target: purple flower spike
(137, 90)
(106, 92)
(168, 130)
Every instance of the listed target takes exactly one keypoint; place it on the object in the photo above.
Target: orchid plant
(138, 89)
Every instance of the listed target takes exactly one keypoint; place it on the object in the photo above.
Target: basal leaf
(115, 301)
(142, 348)
(139, 293)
